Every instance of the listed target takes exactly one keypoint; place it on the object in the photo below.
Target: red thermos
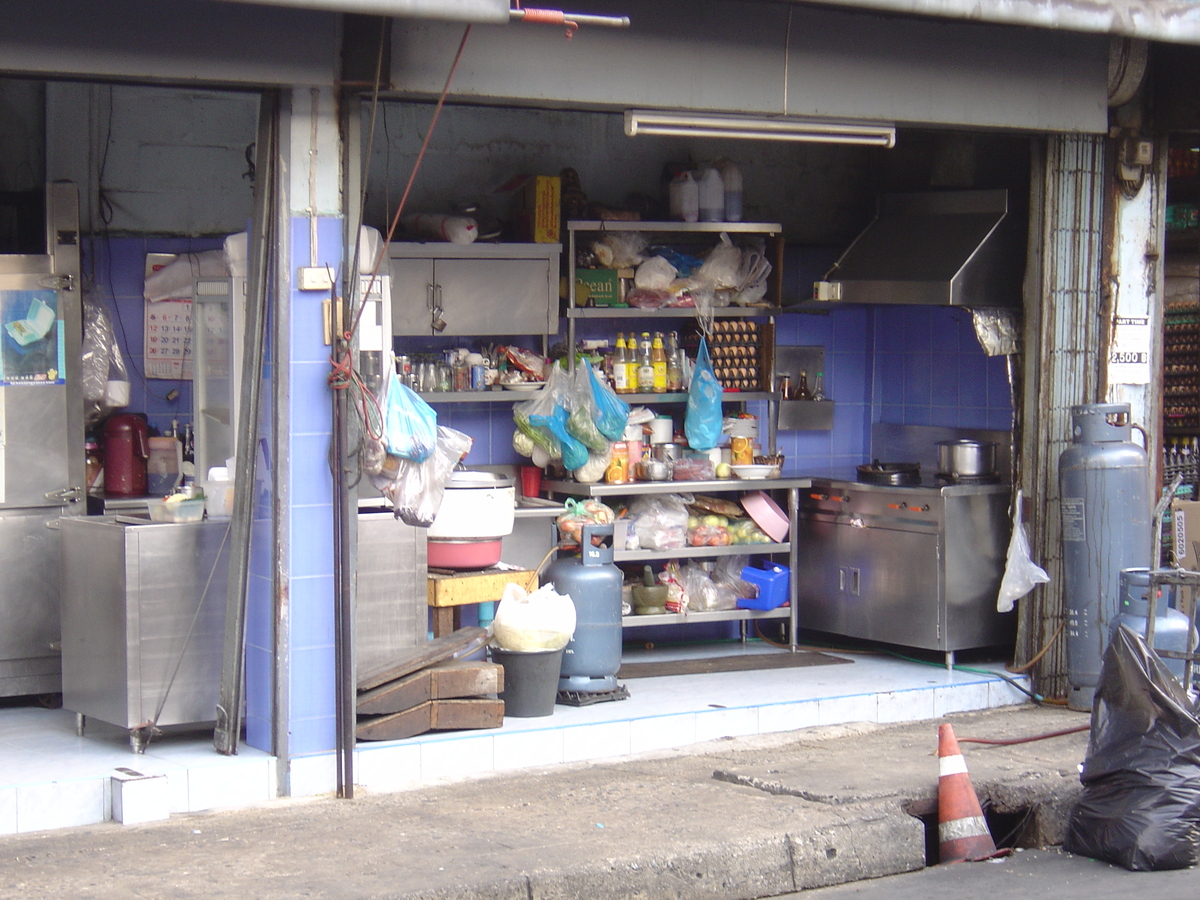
(126, 449)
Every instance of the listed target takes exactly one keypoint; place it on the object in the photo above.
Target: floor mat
(741, 663)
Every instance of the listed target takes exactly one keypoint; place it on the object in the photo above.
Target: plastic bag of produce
(416, 489)
(541, 620)
(581, 405)
(574, 453)
(612, 413)
(703, 594)
(1140, 806)
(660, 521)
(578, 513)
(541, 404)
(410, 424)
(702, 422)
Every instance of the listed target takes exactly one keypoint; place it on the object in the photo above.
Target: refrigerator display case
(41, 442)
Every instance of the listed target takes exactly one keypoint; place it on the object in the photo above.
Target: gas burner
(950, 478)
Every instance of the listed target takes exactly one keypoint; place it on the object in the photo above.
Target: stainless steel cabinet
(475, 289)
(143, 616)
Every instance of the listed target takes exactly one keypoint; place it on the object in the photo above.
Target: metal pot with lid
(965, 458)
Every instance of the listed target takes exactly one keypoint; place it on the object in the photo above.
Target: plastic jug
(731, 177)
(689, 198)
(126, 449)
(712, 196)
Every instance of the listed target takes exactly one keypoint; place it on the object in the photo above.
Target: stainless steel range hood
(951, 248)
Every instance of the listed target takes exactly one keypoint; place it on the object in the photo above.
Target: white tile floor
(51, 778)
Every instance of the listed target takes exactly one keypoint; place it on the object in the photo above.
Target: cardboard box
(598, 287)
(537, 209)
(1185, 521)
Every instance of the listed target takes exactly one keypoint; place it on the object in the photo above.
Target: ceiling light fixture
(762, 128)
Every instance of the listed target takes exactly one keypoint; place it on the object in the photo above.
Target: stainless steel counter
(917, 566)
(143, 612)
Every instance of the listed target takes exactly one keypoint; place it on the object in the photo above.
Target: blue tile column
(290, 664)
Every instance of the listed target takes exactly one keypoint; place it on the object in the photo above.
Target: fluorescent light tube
(762, 128)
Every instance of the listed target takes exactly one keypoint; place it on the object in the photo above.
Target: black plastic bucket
(530, 681)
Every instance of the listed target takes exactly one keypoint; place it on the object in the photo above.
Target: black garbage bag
(1140, 806)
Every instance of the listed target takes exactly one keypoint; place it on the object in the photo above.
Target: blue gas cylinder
(1104, 486)
(593, 656)
(1170, 625)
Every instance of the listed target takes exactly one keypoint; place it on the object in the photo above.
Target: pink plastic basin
(463, 554)
(766, 515)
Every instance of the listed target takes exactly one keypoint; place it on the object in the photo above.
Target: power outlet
(314, 278)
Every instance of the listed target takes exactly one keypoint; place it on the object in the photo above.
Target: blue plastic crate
(772, 583)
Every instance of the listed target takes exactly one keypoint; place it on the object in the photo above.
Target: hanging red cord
(344, 366)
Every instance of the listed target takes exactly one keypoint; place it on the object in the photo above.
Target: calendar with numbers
(168, 339)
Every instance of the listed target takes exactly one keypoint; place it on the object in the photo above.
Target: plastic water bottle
(712, 196)
(689, 199)
(731, 176)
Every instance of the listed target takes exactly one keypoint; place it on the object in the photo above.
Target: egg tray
(740, 351)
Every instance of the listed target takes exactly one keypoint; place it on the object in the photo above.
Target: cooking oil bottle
(658, 357)
(645, 372)
(674, 363)
(620, 366)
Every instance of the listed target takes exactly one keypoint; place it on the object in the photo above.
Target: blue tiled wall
(114, 270)
(309, 538)
(930, 370)
(902, 365)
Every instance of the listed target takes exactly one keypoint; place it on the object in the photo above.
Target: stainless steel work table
(792, 484)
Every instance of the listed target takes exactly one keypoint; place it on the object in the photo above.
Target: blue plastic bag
(410, 424)
(574, 453)
(611, 411)
(702, 422)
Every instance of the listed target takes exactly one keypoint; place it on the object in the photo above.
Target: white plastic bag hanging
(1021, 573)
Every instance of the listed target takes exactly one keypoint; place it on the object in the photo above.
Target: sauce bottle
(620, 366)
(658, 358)
(645, 372)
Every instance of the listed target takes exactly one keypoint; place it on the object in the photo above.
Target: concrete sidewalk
(734, 818)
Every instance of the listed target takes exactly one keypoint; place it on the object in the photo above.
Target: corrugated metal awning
(1174, 21)
(493, 12)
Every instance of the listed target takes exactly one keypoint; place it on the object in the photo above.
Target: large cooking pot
(477, 511)
(963, 458)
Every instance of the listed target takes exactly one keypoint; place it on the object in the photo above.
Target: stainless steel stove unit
(919, 566)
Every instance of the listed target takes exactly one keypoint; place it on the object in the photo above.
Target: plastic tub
(772, 583)
(767, 515)
(188, 510)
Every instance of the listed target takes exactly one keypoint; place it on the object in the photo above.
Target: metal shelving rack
(793, 486)
(677, 230)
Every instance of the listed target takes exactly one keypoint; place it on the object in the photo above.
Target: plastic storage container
(772, 583)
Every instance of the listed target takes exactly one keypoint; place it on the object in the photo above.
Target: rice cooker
(476, 513)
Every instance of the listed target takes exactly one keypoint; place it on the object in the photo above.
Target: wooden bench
(449, 591)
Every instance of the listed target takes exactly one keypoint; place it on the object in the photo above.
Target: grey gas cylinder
(1106, 511)
(593, 656)
(1171, 626)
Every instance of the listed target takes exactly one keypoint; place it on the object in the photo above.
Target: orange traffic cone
(962, 832)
